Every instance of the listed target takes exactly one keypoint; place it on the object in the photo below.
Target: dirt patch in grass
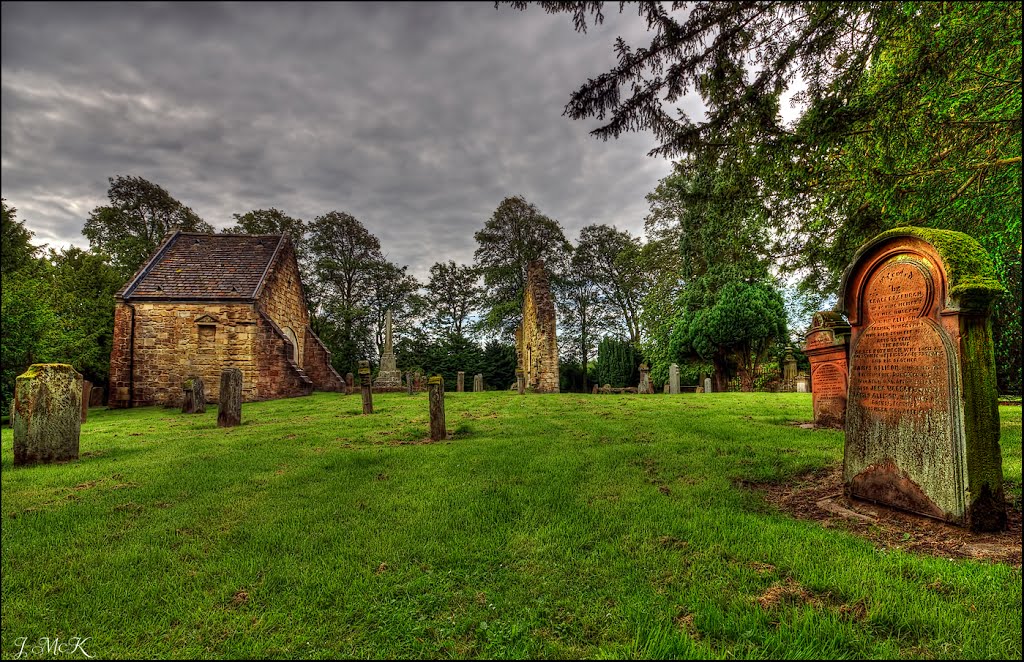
(819, 496)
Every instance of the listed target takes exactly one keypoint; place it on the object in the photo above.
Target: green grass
(550, 526)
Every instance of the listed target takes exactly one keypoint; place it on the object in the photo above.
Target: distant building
(205, 302)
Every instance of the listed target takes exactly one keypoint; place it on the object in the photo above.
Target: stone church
(205, 302)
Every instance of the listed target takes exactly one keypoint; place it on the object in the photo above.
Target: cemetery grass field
(548, 526)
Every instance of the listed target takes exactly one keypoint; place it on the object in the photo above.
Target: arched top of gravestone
(962, 276)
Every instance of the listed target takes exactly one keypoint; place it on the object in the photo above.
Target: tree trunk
(229, 413)
(720, 381)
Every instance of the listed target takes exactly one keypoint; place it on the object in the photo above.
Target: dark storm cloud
(417, 119)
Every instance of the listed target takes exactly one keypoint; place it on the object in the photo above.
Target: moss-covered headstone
(193, 400)
(47, 414)
(922, 416)
(229, 411)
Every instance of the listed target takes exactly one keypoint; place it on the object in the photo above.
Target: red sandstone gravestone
(825, 346)
(922, 417)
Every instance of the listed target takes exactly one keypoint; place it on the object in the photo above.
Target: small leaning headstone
(229, 411)
(86, 395)
(193, 399)
(460, 381)
(47, 414)
(707, 385)
(364, 384)
(478, 383)
(435, 391)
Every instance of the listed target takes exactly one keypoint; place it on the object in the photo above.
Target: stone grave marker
(645, 379)
(922, 417)
(364, 382)
(194, 396)
(673, 379)
(707, 385)
(826, 345)
(521, 381)
(96, 396)
(460, 381)
(46, 414)
(408, 382)
(229, 412)
(478, 383)
(86, 395)
(350, 383)
(435, 391)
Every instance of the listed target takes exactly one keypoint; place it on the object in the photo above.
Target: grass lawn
(549, 526)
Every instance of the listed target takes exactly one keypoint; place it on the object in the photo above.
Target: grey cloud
(418, 118)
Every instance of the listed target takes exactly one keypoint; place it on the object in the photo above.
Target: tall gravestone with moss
(922, 417)
(47, 414)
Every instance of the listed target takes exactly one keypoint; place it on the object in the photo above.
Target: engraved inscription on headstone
(826, 346)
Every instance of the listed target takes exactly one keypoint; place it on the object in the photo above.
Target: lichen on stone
(969, 268)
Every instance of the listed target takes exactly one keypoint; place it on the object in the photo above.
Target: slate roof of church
(191, 265)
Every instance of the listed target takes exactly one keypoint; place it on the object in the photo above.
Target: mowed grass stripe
(548, 526)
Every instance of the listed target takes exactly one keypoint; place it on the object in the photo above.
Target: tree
(27, 321)
(515, 235)
(138, 217)
(739, 321)
(393, 289)
(498, 365)
(344, 257)
(16, 249)
(618, 363)
(611, 256)
(584, 315)
(81, 293)
(453, 294)
(910, 114)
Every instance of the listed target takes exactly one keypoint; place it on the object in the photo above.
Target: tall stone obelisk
(388, 376)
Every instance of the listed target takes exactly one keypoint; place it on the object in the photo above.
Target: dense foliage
(618, 363)
(908, 113)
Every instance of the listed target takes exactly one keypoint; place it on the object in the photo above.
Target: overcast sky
(417, 119)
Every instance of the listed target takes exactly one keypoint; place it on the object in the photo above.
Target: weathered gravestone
(707, 385)
(350, 383)
(388, 376)
(826, 345)
(596, 390)
(802, 382)
(229, 411)
(645, 379)
(789, 372)
(86, 395)
(673, 379)
(460, 381)
(96, 396)
(364, 384)
(435, 393)
(194, 396)
(521, 381)
(478, 383)
(922, 419)
(47, 414)
(666, 389)
(408, 382)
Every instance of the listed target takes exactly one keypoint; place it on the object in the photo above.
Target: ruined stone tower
(536, 339)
